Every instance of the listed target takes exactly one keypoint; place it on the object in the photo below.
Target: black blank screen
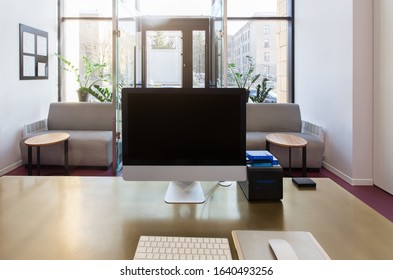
(183, 126)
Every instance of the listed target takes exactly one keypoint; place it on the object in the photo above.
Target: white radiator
(314, 129)
(34, 127)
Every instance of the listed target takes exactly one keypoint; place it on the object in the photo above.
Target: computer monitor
(184, 135)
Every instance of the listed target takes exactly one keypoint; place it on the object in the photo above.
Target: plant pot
(83, 96)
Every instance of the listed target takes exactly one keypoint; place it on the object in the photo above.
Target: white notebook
(254, 244)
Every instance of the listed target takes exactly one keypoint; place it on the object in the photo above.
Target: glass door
(175, 52)
(162, 52)
(125, 64)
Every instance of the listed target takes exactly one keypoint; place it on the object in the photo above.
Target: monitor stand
(225, 183)
(184, 192)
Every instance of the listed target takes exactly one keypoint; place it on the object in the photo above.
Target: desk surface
(103, 217)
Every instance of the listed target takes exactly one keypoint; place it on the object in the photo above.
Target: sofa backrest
(273, 117)
(80, 116)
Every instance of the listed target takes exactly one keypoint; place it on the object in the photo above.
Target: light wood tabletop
(61, 217)
(286, 140)
(47, 139)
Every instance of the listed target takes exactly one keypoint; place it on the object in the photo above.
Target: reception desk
(103, 217)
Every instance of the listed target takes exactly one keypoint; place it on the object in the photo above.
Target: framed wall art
(33, 53)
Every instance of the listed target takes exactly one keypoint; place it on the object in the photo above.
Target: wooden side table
(46, 140)
(290, 141)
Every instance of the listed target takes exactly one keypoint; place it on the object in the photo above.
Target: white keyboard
(182, 248)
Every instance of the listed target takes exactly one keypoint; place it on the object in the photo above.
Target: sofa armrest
(317, 130)
(37, 126)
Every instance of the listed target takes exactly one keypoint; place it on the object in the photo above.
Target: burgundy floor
(58, 171)
(373, 196)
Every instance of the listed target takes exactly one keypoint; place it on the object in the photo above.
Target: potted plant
(262, 92)
(246, 79)
(88, 80)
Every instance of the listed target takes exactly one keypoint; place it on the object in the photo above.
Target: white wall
(23, 101)
(333, 80)
(383, 91)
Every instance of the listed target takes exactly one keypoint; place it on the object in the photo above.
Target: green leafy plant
(101, 94)
(246, 79)
(262, 92)
(89, 79)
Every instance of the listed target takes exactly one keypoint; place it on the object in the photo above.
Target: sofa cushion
(90, 148)
(256, 140)
(80, 116)
(273, 117)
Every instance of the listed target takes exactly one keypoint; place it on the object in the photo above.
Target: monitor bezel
(240, 160)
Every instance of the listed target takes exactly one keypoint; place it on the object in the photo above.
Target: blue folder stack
(260, 158)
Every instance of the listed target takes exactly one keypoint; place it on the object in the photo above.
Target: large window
(254, 28)
(86, 32)
(261, 30)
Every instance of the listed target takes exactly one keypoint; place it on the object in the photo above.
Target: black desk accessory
(304, 182)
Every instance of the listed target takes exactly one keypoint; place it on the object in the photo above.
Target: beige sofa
(265, 118)
(90, 127)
